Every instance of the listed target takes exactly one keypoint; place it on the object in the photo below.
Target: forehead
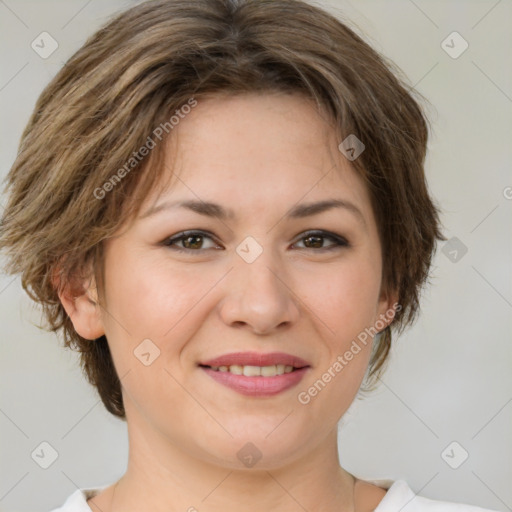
(255, 151)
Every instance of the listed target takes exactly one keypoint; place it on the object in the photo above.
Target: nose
(258, 297)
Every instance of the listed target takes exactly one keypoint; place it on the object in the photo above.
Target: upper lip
(256, 359)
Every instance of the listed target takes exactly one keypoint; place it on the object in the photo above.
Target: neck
(163, 477)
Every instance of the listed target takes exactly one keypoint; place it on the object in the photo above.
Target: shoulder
(77, 502)
(400, 497)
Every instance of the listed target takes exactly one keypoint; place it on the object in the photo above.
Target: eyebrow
(217, 211)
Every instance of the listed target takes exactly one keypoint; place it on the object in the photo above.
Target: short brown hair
(146, 63)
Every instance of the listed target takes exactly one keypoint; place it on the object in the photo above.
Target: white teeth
(268, 371)
(255, 371)
(236, 369)
(252, 371)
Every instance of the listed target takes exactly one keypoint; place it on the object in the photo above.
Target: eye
(191, 241)
(316, 240)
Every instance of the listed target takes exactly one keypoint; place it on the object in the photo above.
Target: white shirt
(399, 498)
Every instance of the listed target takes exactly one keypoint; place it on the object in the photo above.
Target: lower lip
(257, 386)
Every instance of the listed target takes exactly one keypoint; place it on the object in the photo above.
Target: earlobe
(387, 308)
(80, 300)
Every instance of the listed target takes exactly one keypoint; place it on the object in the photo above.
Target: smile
(256, 375)
(256, 371)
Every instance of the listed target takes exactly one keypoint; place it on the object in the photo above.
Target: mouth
(254, 374)
(254, 371)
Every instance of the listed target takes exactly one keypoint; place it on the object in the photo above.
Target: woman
(222, 205)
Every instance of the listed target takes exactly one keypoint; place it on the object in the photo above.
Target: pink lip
(256, 359)
(257, 386)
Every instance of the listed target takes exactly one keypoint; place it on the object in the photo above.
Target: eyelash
(339, 241)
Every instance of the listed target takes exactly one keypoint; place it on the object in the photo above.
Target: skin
(258, 155)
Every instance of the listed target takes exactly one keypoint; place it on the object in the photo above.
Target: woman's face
(280, 266)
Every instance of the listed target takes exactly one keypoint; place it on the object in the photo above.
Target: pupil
(192, 241)
(314, 240)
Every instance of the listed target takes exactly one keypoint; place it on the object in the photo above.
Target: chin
(256, 448)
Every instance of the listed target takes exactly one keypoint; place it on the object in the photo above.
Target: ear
(387, 308)
(79, 297)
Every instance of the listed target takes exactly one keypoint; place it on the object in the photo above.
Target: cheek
(147, 299)
(345, 297)
(345, 303)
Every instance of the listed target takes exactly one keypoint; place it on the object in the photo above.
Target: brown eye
(313, 241)
(317, 240)
(193, 241)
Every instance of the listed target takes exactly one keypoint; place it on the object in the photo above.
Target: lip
(256, 359)
(257, 386)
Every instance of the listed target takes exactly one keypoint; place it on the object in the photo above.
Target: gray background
(449, 378)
